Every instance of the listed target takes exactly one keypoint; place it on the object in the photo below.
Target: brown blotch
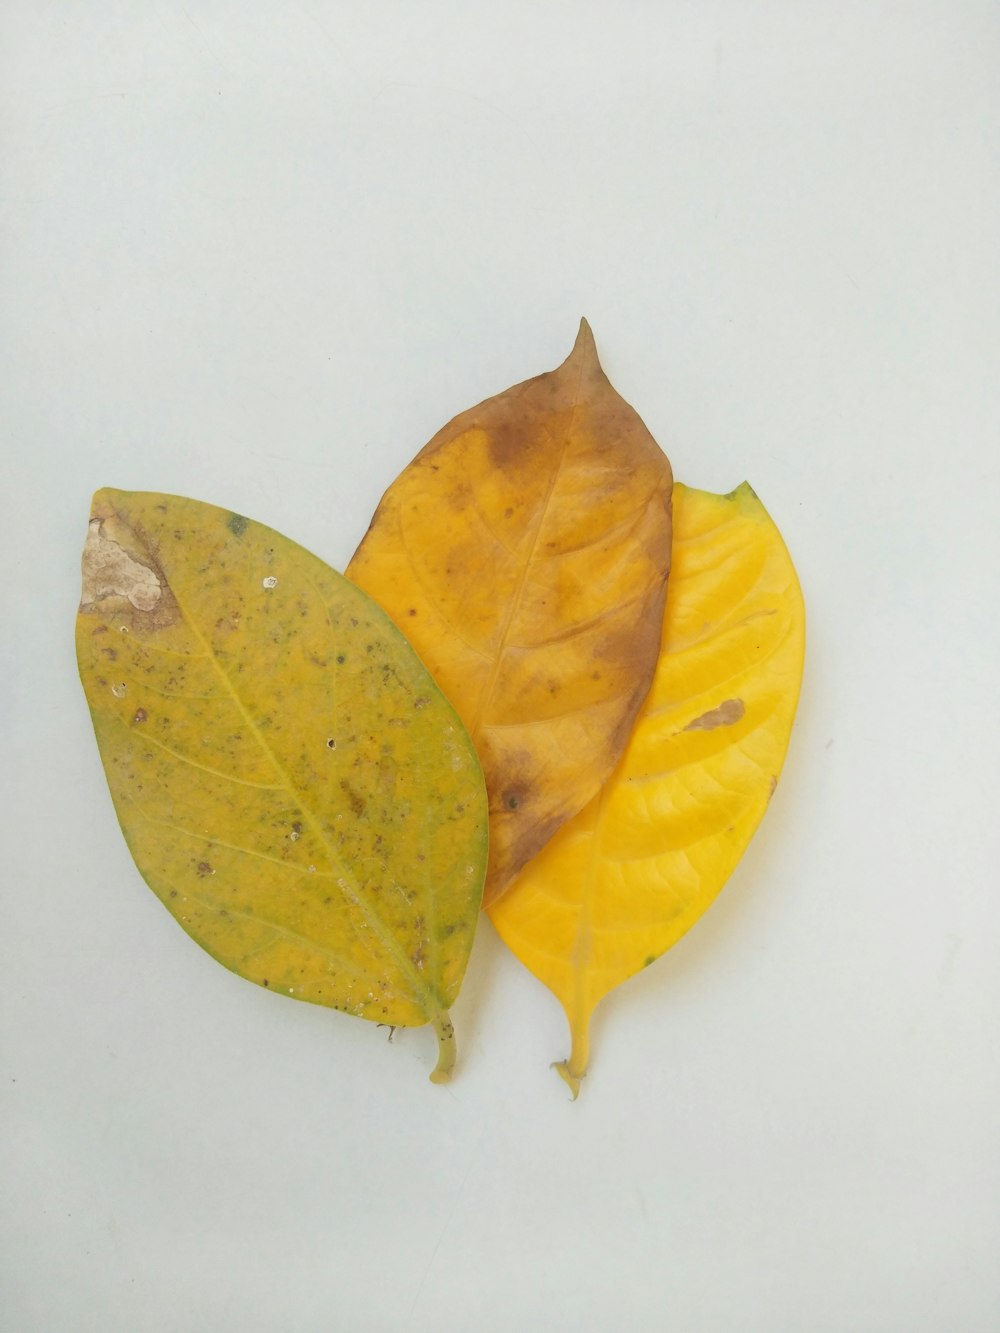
(111, 571)
(508, 439)
(204, 868)
(531, 837)
(121, 574)
(140, 717)
(725, 715)
(355, 799)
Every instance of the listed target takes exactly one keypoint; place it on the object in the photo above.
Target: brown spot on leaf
(354, 798)
(508, 439)
(204, 868)
(725, 715)
(140, 717)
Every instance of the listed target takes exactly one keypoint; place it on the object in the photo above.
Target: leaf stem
(444, 1030)
(573, 1071)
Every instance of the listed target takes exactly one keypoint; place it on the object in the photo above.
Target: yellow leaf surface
(624, 880)
(524, 552)
(291, 783)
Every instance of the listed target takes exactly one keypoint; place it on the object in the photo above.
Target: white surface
(258, 253)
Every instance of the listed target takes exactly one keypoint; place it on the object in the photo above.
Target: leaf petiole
(573, 1070)
(444, 1030)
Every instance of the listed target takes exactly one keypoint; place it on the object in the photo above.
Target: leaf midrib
(515, 600)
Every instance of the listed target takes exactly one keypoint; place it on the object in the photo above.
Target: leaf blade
(525, 553)
(621, 883)
(288, 778)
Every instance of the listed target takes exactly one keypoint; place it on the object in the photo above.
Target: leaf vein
(205, 768)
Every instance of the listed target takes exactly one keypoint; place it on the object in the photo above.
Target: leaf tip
(104, 502)
(744, 491)
(584, 353)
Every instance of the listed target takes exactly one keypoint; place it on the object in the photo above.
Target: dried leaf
(524, 552)
(623, 881)
(290, 781)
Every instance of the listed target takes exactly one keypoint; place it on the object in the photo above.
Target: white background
(258, 253)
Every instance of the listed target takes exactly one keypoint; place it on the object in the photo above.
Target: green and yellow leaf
(524, 552)
(624, 880)
(292, 784)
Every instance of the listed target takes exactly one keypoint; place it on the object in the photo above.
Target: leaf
(291, 783)
(623, 881)
(525, 552)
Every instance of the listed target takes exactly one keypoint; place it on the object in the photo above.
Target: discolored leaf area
(525, 553)
(625, 879)
(290, 781)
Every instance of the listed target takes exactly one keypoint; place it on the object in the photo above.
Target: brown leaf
(525, 552)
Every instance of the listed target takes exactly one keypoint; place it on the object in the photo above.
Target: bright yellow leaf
(524, 553)
(623, 881)
(290, 781)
